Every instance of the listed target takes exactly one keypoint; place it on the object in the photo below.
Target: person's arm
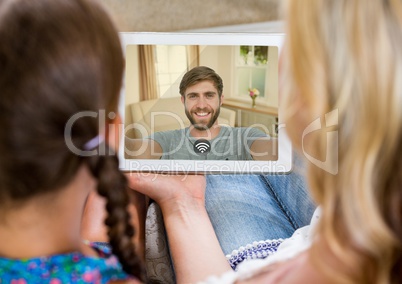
(142, 149)
(193, 244)
(265, 149)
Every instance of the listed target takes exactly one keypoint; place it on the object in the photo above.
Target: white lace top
(255, 256)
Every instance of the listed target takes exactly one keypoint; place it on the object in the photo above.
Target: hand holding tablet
(248, 143)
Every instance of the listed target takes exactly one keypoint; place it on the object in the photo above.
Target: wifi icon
(202, 146)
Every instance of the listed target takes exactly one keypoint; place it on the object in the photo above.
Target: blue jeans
(248, 208)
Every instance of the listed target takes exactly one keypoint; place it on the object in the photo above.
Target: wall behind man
(174, 15)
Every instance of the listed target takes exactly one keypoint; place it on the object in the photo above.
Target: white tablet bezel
(284, 162)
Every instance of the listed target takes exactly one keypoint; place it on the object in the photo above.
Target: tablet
(155, 117)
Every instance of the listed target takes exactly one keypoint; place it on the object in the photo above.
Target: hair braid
(112, 184)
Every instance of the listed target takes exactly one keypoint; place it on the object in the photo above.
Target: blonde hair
(346, 55)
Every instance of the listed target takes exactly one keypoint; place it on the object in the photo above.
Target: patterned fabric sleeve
(256, 250)
(63, 268)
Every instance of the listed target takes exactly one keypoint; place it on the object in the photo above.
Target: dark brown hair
(198, 74)
(58, 58)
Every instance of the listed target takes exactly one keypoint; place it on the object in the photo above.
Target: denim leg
(248, 208)
(292, 194)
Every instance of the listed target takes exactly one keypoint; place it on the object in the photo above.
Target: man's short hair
(198, 74)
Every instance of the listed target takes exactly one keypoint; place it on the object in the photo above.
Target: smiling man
(202, 104)
(201, 94)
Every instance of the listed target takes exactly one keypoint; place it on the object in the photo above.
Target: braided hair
(112, 185)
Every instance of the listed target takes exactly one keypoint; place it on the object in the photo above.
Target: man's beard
(199, 126)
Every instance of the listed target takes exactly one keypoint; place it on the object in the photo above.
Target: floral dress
(63, 268)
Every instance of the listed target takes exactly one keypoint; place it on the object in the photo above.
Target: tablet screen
(202, 103)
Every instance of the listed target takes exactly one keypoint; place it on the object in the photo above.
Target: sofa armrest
(157, 255)
(227, 116)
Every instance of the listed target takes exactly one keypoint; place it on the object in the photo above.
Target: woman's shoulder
(300, 268)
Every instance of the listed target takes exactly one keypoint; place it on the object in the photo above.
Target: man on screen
(201, 94)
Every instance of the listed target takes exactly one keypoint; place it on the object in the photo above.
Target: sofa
(166, 114)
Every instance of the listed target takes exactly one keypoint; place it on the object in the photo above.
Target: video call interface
(159, 126)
